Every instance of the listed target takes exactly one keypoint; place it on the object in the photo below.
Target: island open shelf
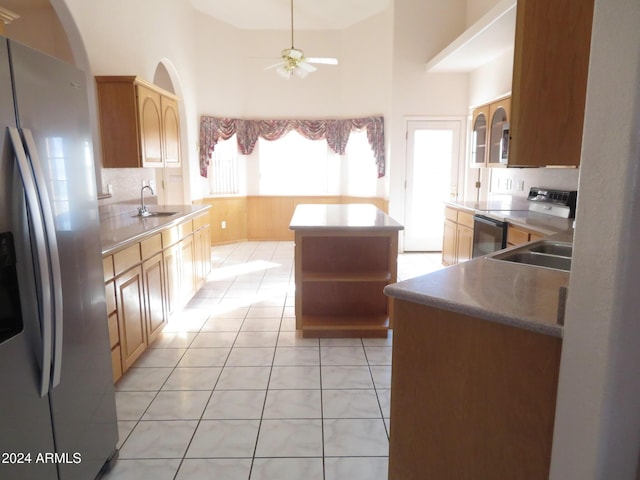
(344, 257)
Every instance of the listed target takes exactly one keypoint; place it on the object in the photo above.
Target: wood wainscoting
(265, 217)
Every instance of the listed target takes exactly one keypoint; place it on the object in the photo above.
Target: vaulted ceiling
(276, 14)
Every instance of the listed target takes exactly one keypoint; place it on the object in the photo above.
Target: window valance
(335, 131)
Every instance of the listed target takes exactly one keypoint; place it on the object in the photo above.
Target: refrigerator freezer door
(51, 101)
(25, 421)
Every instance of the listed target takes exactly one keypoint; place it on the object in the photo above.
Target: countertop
(341, 216)
(515, 210)
(513, 294)
(120, 225)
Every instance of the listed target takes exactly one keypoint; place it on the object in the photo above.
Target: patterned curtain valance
(336, 132)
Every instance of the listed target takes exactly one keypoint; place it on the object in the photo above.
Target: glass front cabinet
(490, 134)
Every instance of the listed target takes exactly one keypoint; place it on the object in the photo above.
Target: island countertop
(513, 294)
(120, 224)
(341, 216)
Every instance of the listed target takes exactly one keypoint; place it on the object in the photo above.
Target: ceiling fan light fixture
(293, 60)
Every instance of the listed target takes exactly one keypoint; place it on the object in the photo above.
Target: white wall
(421, 30)
(121, 37)
(597, 430)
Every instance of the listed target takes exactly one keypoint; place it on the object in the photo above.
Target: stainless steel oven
(489, 235)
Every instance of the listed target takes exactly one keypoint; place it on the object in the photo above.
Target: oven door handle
(488, 221)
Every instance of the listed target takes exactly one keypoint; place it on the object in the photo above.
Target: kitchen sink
(559, 249)
(155, 214)
(544, 253)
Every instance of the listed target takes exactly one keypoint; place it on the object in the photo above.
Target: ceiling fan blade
(274, 65)
(283, 72)
(301, 72)
(324, 61)
(306, 67)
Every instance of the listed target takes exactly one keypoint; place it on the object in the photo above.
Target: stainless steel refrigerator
(57, 400)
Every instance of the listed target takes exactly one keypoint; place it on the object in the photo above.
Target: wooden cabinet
(130, 304)
(339, 283)
(154, 287)
(471, 399)
(147, 280)
(344, 257)
(202, 248)
(479, 136)
(487, 122)
(139, 123)
(519, 235)
(551, 60)
(499, 114)
(457, 244)
(112, 316)
(178, 258)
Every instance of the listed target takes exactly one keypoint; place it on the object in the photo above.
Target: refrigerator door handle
(54, 257)
(37, 224)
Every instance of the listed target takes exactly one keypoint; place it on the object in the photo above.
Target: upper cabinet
(551, 62)
(139, 123)
(489, 124)
(552, 43)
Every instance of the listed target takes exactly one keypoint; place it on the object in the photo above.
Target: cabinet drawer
(170, 236)
(201, 221)
(465, 219)
(107, 267)
(126, 258)
(451, 214)
(185, 229)
(151, 246)
(114, 334)
(110, 295)
(516, 236)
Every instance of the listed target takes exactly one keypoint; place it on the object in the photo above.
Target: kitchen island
(344, 257)
(476, 355)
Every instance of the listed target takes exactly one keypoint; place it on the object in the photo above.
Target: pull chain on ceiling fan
(293, 61)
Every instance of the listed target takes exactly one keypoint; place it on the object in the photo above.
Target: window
(294, 165)
(224, 168)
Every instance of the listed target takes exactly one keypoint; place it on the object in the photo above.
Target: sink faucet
(143, 211)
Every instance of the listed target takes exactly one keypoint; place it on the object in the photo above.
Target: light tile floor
(231, 391)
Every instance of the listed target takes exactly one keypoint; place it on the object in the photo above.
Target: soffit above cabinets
(491, 35)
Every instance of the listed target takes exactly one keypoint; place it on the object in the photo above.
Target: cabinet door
(464, 243)
(171, 258)
(156, 315)
(550, 70)
(130, 292)
(449, 243)
(150, 122)
(171, 132)
(499, 115)
(479, 136)
(187, 256)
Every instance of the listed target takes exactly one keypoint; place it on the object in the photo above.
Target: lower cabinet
(156, 305)
(471, 399)
(146, 281)
(518, 235)
(457, 243)
(131, 315)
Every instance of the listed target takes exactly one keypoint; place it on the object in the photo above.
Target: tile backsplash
(126, 184)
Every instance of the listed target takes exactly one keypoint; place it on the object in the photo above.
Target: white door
(433, 157)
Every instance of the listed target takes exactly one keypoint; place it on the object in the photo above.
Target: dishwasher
(489, 235)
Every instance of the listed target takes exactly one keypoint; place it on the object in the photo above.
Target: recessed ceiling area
(276, 14)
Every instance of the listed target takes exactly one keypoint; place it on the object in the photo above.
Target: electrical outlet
(110, 189)
(152, 184)
(223, 224)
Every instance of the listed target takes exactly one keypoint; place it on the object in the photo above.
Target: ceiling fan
(293, 62)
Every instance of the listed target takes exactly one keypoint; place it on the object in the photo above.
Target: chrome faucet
(143, 211)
